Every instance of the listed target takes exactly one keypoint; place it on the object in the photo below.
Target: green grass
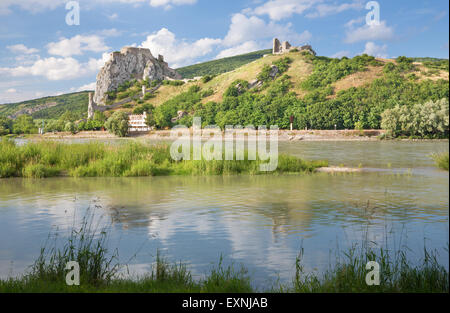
(48, 159)
(87, 244)
(77, 103)
(222, 65)
(396, 273)
(441, 160)
(99, 271)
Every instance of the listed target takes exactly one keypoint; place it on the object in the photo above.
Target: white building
(136, 123)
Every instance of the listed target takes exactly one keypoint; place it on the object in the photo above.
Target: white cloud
(377, 51)
(113, 16)
(112, 32)
(33, 6)
(57, 68)
(11, 90)
(366, 32)
(323, 10)
(246, 47)
(77, 45)
(280, 9)
(352, 22)
(243, 29)
(167, 4)
(90, 86)
(27, 59)
(178, 52)
(21, 48)
(36, 6)
(340, 54)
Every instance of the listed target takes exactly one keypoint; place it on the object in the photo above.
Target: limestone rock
(180, 115)
(128, 64)
(274, 70)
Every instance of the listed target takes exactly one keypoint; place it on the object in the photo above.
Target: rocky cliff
(130, 63)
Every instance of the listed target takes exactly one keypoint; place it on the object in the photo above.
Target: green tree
(150, 120)
(430, 119)
(24, 124)
(5, 126)
(118, 124)
(99, 116)
(70, 127)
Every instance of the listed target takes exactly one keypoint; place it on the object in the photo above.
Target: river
(261, 222)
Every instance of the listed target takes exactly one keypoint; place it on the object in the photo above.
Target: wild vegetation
(427, 120)
(222, 65)
(118, 124)
(47, 159)
(327, 70)
(87, 244)
(274, 102)
(441, 160)
(77, 103)
(305, 88)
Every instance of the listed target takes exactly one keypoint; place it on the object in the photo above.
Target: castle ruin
(128, 64)
(281, 48)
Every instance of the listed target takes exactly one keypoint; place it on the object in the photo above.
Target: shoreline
(283, 135)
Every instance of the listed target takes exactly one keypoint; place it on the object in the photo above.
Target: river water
(261, 222)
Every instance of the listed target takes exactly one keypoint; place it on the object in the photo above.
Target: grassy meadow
(50, 159)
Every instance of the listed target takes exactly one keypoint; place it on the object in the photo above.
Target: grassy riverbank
(99, 271)
(132, 159)
(441, 160)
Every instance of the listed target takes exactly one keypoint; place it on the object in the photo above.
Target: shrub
(389, 68)
(24, 124)
(425, 120)
(207, 78)
(404, 64)
(173, 82)
(5, 126)
(149, 95)
(118, 124)
(122, 95)
(441, 160)
(70, 127)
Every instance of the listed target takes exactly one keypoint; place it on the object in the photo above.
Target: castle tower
(276, 46)
(285, 46)
(91, 109)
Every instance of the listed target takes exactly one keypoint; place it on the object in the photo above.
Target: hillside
(222, 65)
(48, 107)
(320, 92)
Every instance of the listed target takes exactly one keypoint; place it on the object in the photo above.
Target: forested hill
(48, 107)
(222, 65)
(320, 92)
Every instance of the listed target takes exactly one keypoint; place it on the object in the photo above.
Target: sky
(46, 48)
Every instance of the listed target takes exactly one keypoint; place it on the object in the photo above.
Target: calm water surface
(261, 222)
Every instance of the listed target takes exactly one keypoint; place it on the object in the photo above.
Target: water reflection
(260, 221)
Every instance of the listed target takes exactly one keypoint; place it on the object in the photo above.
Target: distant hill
(361, 87)
(48, 107)
(222, 65)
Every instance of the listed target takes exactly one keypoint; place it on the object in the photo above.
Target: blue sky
(42, 55)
